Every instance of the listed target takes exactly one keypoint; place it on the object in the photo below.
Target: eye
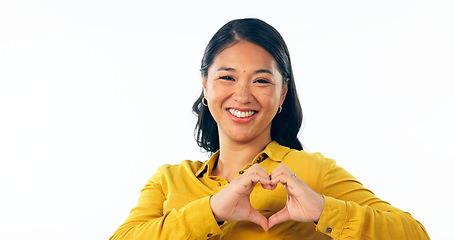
(229, 78)
(262, 81)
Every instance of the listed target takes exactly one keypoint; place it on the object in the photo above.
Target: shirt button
(241, 172)
(328, 230)
(209, 235)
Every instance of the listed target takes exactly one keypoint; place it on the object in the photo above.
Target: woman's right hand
(232, 203)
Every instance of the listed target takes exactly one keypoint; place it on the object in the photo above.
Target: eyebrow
(264, 71)
(229, 69)
(226, 69)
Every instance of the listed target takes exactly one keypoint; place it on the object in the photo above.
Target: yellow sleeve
(354, 212)
(147, 220)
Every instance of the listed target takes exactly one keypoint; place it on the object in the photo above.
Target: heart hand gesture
(233, 202)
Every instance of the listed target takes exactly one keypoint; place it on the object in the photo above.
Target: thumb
(279, 217)
(255, 217)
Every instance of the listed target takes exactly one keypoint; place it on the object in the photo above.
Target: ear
(284, 91)
(204, 84)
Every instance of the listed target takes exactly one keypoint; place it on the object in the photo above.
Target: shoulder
(310, 163)
(185, 165)
(183, 169)
(309, 158)
(291, 156)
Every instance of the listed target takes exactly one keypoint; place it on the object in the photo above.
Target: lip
(242, 120)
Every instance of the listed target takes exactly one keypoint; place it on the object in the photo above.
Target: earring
(279, 109)
(206, 103)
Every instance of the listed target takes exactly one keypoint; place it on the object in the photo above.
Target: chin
(244, 137)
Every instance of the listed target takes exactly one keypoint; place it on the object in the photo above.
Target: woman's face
(244, 90)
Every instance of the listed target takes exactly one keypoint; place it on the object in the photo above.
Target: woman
(248, 117)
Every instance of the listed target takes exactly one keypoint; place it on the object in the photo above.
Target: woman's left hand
(303, 204)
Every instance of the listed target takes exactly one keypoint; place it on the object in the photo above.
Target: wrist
(212, 206)
(321, 209)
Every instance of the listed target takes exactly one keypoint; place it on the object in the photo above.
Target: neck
(235, 155)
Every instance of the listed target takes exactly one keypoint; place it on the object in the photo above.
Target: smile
(241, 114)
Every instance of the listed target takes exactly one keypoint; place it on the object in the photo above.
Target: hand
(232, 203)
(303, 204)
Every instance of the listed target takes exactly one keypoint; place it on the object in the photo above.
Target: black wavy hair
(287, 123)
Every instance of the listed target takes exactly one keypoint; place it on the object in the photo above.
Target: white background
(95, 95)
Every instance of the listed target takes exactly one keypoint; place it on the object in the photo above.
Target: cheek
(217, 92)
(270, 97)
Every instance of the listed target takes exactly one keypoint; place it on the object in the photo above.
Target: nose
(242, 93)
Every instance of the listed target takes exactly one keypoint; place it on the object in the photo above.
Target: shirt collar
(208, 165)
(273, 151)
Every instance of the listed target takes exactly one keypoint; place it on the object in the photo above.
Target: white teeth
(241, 114)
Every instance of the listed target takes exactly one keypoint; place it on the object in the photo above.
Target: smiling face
(244, 90)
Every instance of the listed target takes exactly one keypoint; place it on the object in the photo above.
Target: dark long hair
(287, 123)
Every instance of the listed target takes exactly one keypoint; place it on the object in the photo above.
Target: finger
(284, 178)
(258, 174)
(280, 169)
(253, 175)
(279, 217)
(261, 177)
(258, 170)
(245, 184)
(259, 219)
(269, 186)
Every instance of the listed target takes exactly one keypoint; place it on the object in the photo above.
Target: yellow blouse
(174, 204)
